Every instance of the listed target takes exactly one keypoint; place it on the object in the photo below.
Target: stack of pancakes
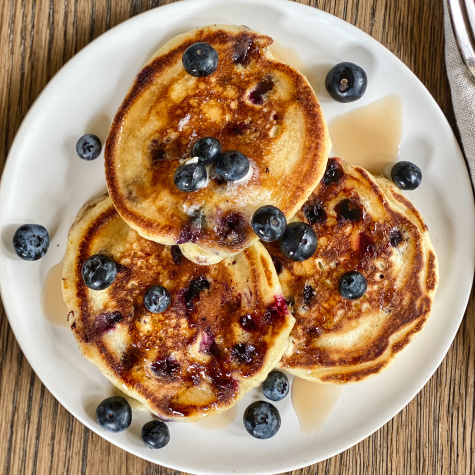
(238, 308)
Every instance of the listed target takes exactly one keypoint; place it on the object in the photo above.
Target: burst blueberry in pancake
(253, 104)
(223, 329)
(364, 225)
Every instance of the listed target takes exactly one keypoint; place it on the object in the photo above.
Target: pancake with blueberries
(368, 289)
(218, 332)
(252, 104)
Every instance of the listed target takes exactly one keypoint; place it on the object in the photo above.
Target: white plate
(45, 182)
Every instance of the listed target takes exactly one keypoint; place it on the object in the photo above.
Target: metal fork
(462, 17)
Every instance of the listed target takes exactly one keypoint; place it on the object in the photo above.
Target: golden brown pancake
(252, 103)
(226, 327)
(363, 224)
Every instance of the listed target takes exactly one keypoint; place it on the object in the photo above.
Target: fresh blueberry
(269, 223)
(352, 285)
(232, 165)
(276, 386)
(155, 434)
(346, 82)
(299, 241)
(31, 241)
(157, 299)
(99, 271)
(191, 177)
(200, 59)
(406, 175)
(262, 420)
(114, 414)
(89, 147)
(206, 149)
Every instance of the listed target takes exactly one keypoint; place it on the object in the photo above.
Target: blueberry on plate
(406, 175)
(232, 165)
(191, 177)
(89, 147)
(200, 59)
(114, 414)
(352, 285)
(31, 241)
(346, 82)
(262, 420)
(299, 241)
(157, 299)
(269, 223)
(99, 271)
(206, 149)
(276, 386)
(155, 434)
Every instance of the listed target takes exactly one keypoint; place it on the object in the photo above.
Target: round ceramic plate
(45, 182)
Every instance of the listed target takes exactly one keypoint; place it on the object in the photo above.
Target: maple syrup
(313, 403)
(220, 420)
(54, 308)
(369, 136)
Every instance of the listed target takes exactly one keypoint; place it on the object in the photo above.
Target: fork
(462, 17)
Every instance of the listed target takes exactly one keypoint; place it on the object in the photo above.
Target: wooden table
(434, 434)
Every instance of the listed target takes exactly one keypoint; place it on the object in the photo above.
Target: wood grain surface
(434, 434)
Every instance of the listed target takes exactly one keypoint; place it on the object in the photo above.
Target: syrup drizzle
(54, 308)
(313, 403)
(369, 136)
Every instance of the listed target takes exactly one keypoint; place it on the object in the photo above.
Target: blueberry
(269, 223)
(31, 241)
(155, 434)
(207, 149)
(276, 386)
(262, 420)
(352, 285)
(406, 175)
(157, 299)
(299, 241)
(191, 177)
(114, 414)
(89, 147)
(346, 82)
(200, 59)
(232, 165)
(99, 271)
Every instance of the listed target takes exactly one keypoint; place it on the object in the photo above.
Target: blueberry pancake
(225, 327)
(252, 104)
(367, 228)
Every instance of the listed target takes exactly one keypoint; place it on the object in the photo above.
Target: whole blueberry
(114, 414)
(31, 241)
(269, 223)
(299, 241)
(200, 59)
(276, 386)
(88, 147)
(406, 175)
(157, 299)
(99, 271)
(352, 285)
(155, 434)
(346, 82)
(232, 165)
(191, 177)
(206, 149)
(262, 420)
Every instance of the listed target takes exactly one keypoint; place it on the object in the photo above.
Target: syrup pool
(313, 403)
(220, 420)
(54, 308)
(369, 136)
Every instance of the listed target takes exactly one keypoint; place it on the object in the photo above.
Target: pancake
(252, 103)
(363, 224)
(226, 327)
